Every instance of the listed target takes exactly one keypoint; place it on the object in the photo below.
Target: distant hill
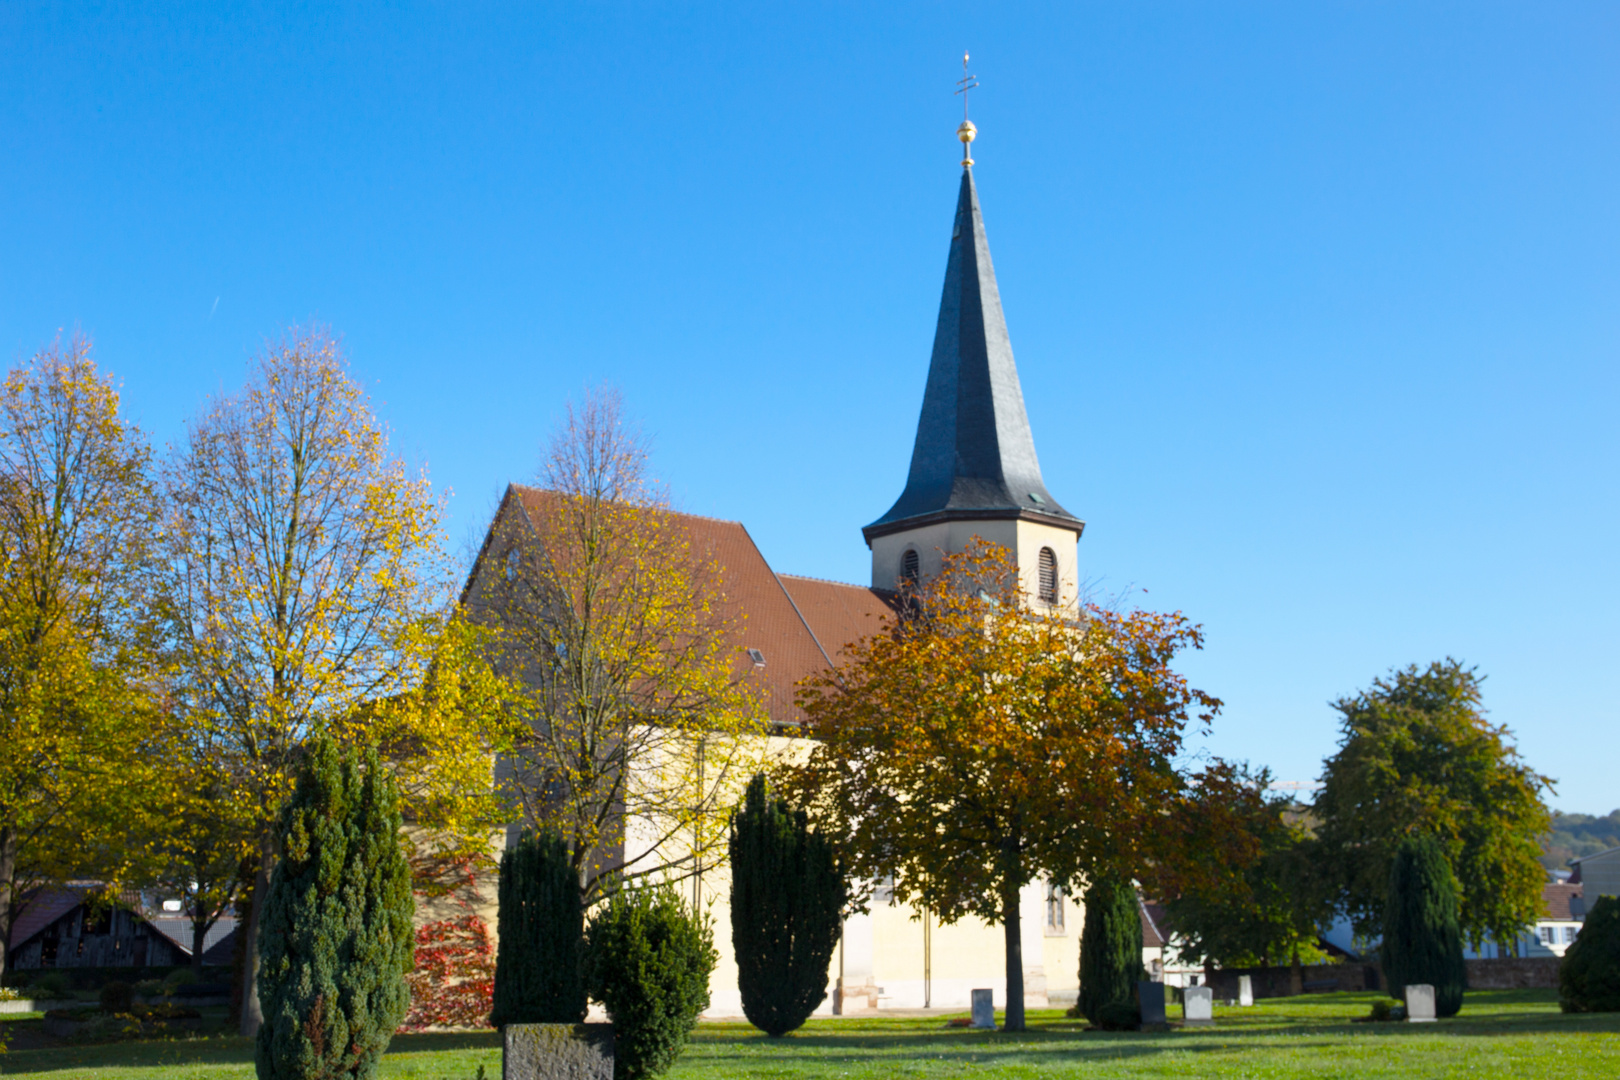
(1574, 836)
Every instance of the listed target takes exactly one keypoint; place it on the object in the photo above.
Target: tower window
(909, 568)
(1049, 576)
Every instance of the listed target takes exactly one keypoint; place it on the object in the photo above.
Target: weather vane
(967, 131)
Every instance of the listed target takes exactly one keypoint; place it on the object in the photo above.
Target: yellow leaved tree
(309, 591)
(609, 622)
(79, 732)
(984, 741)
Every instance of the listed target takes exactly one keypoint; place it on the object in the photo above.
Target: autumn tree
(78, 720)
(1242, 887)
(1418, 757)
(307, 584)
(609, 621)
(984, 741)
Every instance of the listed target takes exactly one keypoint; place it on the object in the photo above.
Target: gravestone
(1150, 997)
(1420, 1004)
(1198, 1005)
(1245, 990)
(984, 1009)
(557, 1052)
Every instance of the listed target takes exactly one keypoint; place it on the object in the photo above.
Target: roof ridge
(823, 580)
(666, 509)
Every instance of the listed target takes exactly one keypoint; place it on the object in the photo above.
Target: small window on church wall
(1049, 576)
(909, 567)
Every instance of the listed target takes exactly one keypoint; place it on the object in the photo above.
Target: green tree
(1417, 756)
(787, 905)
(336, 938)
(1110, 947)
(1422, 940)
(987, 740)
(80, 733)
(1266, 905)
(538, 974)
(1589, 977)
(648, 960)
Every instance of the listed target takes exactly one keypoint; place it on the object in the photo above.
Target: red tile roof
(798, 624)
(1556, 897)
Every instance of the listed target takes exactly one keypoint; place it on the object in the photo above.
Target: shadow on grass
(220, 1050)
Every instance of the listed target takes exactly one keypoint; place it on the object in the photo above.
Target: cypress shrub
(541, 926)
(336, 938)
(1589, 977)
(648, 960)
(787, 902)
(1422, 940)
(1110, 948)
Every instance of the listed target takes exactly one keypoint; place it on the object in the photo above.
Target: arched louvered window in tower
(909, 564)
(1049, 576)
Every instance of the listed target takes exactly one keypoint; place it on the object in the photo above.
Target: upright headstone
(557, 1052)
(1420, 1003)
(1198, 1005)
(1150, 995)
(1245, 990)
(984, 1009)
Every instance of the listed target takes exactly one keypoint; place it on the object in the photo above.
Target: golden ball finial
(967, 133)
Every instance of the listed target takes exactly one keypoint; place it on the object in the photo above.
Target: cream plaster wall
(1023, 538)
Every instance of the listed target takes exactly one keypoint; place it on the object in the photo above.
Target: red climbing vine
(453, 984)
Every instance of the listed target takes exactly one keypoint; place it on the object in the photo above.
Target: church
(974, 473)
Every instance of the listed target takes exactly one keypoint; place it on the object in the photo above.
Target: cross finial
(967, 131)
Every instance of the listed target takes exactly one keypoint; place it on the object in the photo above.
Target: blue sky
(1315, 305)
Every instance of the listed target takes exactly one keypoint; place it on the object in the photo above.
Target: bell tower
(973, 465)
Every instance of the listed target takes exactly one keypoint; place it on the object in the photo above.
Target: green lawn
(1498, 1034)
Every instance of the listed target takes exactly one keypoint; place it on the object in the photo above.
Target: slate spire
(974, 457)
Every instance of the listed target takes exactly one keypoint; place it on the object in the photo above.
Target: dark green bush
(541, 928)
(1589, 977)
(1422, 940)
(648, 959)
(1110, 947)
(52, 984)
(787, 902)
(1119, 1016)
(117, 997)
(337, 936)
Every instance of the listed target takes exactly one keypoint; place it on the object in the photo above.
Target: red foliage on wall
(453, 984)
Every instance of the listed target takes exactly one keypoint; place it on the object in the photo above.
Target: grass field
(1498, 1034)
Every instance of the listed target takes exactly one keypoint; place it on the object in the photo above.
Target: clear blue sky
(1315, 305)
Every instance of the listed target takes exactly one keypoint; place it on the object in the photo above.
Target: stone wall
(1269, 982)
(1513, 973)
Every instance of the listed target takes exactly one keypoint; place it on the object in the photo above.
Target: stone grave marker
(984, 1009)
(1151, 997)
(1198, 1005)
(1245, 990)
(1420, 1004)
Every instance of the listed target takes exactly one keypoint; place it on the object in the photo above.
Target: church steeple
(974, 457)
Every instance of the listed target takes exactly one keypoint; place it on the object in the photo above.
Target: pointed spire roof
(974, 458)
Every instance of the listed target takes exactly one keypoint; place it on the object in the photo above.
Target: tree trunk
(8, 897)
(1011, 871)
(1296, 975)
(252, 1013)
(199, 935)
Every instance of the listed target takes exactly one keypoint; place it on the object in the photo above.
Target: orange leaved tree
(985, 741)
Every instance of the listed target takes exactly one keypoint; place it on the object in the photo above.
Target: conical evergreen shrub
(1589, 977)
(1110, 947)
(787, 902)
(1422, 941)
(648, 958)
(541, 925)
(336, 938)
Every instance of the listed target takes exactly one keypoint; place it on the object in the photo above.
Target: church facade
(974, 473)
